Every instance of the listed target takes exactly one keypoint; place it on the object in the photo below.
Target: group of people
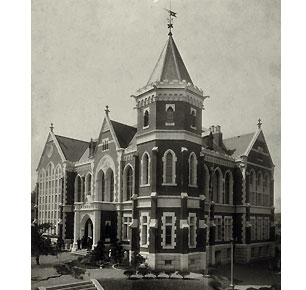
(85, 243)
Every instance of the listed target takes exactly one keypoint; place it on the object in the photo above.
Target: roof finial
(51, 127)
(106, 110)
(259, 123)
(170, 19)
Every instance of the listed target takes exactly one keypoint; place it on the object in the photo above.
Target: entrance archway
(86, 233)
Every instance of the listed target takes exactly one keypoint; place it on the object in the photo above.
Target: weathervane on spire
(170, 19)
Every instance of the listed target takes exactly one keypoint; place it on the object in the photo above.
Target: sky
(87, 54)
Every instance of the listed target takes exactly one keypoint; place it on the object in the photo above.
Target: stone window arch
(100, 186)
(206, 181)
(145, 168)
(218, 186)
(193, 162)
(78, 189)
(146, 118)
(259, 188)
(228, 188)
(252, 187)
(88, 182)
(109, 185)
(267, 182)
(169, 167)
(170, 109)
(128, 182)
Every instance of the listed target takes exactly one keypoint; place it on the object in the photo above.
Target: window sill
(169, 184)
(192, 247)
(170, 124)
(191, 185)
(145, 127)
(194, 128)
(145, 185)
(168, 247)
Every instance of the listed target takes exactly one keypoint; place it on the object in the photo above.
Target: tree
(41, 245)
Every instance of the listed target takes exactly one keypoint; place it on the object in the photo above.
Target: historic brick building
(177, 192)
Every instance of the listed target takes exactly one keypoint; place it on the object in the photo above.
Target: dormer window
(146, 118)
(193, 114)
(170, 109)
(105, 144)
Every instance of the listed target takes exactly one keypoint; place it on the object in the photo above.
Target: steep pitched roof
(73, 149)
(124, 133)
(238, 144)
(170, 65)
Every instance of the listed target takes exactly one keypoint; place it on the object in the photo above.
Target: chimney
(217, 135)
(212, 129)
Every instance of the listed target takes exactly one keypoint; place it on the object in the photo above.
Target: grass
(153, 284)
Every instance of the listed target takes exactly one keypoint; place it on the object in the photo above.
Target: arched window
(100, 186)
(266, 198)
(169, 168)
(193, 119)
(78, 189)
(206, 181)
(145, 168)
(217, 186)
(111, 189)
(88, 184)
(146, 118)
(228, 188)
(259, 189)
(170, 115)
(193, 169)
(129, 183)
(252, 188)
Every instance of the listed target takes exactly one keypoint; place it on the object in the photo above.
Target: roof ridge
(237, 136)
(123, 124)
(71, 138)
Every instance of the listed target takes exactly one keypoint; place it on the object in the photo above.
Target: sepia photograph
(155, 144)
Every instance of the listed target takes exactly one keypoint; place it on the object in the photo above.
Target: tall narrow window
(259, 228)
(266, 228)
(102, 185)
(266, 198)
(206, 181)
(259, 189)
(129, 183)
(252, 188)
(218, 234)
(144, 219)
(253, 228)
(168, 230)
(111, 187)
(145, 168)
(227, 228)
(192, 169)
(228, 188)
(217, 186)
(170, 116)
(79, 188)
(169, 168)
(126, 231)
(192, 221)
(146, 118)
(193, 118)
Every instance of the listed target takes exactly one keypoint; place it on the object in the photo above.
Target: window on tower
(145, 169)
(193, 169)
(193, 114)
(169, 168)
(170, 108)
(146, 117)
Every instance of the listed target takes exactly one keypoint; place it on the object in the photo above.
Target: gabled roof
(238, 145)
(73, 149)
(124, 133)
(170, 65)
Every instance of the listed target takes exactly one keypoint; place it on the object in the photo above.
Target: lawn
(154, 284)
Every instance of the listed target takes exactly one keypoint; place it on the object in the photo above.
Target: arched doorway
(87, 237)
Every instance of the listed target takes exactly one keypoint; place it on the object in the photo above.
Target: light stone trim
(168, 134)
(193, 203)
(219, 159)
(170, 202)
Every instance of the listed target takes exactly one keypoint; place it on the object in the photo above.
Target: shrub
(129, 273)
(169, 273)
(137, 259)
(155, 273)
(183, 273)
(214, 284)
(143, 272)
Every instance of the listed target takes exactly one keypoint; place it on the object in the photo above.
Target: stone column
(76, 227)
(153, 232)
(184, 227)
(96, 227)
